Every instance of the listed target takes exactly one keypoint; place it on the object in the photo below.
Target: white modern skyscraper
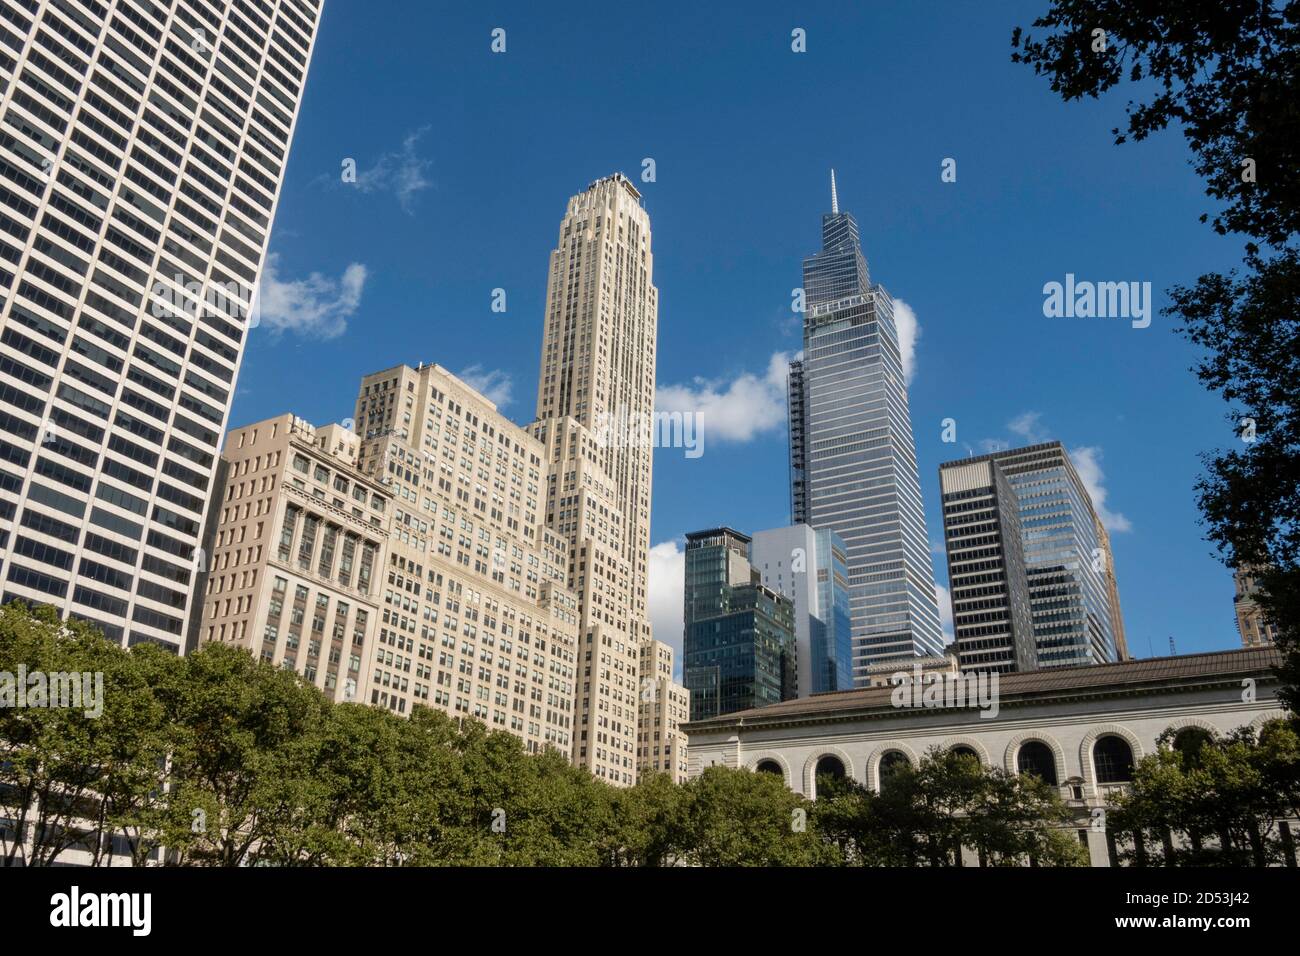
(853, 460)
(144, 145)
(597, 374)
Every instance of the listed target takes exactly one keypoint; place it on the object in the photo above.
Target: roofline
(788, 712)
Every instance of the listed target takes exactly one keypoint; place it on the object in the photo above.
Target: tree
(925, 815)
(243, 750)
(1214, 800)
(742, 818)
(649, 827)
(1226, 72)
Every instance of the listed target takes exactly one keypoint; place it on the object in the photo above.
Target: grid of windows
(853, 459)
(143, 149)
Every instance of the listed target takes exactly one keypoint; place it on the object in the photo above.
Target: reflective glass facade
(739, 642)
(1066, 558)
(853, 459)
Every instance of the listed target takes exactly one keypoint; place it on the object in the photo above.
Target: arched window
(961, 750)
(828, 775)
(770, 766)
(1113, 758)
(829, 766)
(891, 764)
(1190, 741)
(1036, 758)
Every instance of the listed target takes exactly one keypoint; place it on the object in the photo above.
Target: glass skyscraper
(739, 643)
(853, 460)
(1073, 598)
(810, 567)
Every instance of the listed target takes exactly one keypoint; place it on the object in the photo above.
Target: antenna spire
(835, 199)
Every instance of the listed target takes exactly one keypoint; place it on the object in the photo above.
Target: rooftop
(1119, 676)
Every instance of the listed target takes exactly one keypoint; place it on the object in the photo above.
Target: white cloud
(1027, 426)
(739, 410)
(314, 307)
(493, 384)
(667, 586)
(909, 333)
(403, 173)
(1087, 462)
(945, 612)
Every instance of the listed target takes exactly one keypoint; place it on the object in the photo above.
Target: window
(892, 765)
(1113, 758)
(1036, 758)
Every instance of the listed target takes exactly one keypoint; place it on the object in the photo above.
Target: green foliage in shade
(1227, 73)
(218, 759)
(924, 814)
(1206, 800)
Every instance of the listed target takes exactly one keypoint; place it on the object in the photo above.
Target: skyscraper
(853, 460)
(810, 567)
(1068, 564)
(1254, 629)
(987, 580)
(739, 644)
(475, 619)
(144, 149)
(598, 367)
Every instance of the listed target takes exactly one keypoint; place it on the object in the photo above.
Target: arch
(810, 768)
(981, 752)
(1184, 723)
(1183, 728)
(873, 763)
(774, 759)
(1035, 757)
(1009, 759)
(1086, 751)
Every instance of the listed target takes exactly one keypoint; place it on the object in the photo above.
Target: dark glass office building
(740, 645)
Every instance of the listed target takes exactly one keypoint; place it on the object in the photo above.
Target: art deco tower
(144, 145)
(598, 367)
(853, 460)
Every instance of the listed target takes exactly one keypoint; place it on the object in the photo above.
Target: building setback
(597, 367)
(665, 708)
(810, 567)
(1253, 629)
(144, 147)
(739, 645)
(853, 459)
(474, 605)
(992, 622)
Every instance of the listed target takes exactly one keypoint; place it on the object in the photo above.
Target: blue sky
(466, 158)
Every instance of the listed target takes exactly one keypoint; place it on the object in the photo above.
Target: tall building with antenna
(852, 456)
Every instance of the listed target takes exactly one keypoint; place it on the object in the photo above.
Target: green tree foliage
(218, 759)
(1227, 72)
(922, 816)
(1204, 800)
